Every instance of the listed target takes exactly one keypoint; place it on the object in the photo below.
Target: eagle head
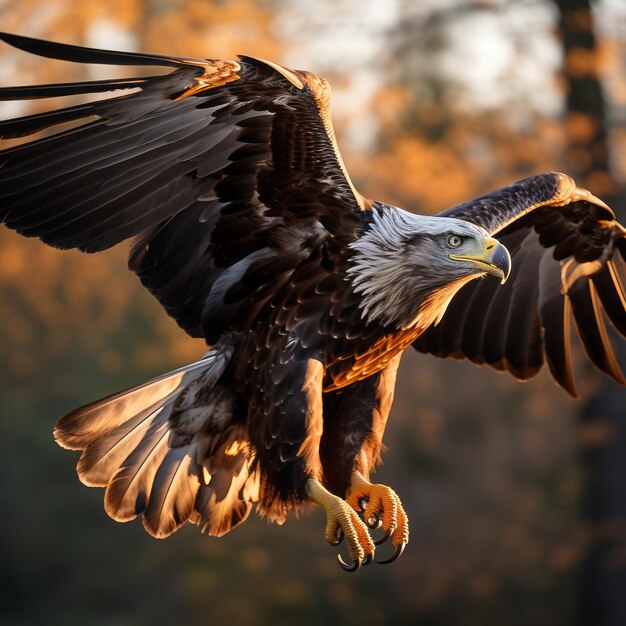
(407, 267)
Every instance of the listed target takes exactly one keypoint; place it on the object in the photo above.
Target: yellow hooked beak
(494, 260)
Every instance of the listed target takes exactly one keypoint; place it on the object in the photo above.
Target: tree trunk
(603, 417)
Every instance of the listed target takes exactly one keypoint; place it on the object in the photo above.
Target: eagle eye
(454, 241)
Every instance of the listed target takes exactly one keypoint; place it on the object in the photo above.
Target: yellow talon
(382, 503)
(341, 517)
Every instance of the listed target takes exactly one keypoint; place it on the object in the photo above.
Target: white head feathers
(401, 259)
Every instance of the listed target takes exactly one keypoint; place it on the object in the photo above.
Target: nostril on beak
(490, 244)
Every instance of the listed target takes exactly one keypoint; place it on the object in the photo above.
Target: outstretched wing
(568, 262)
(227, 172)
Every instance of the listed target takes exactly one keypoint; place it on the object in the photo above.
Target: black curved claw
(349, 568)
(382, 539)
(363, 503)
(373, 521)
(396, 555)
(367, 560)
(339, 538)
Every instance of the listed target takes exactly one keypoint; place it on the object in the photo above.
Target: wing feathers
(564, 244)
(31, 124)
(95, 147)
(79, 54)
(555, 315)
(495, 333)
(473, 324)
(522, 341)
(611, 291)
(30, 92)
(587, 312)
(246, 138)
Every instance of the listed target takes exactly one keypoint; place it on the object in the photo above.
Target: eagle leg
(343, 521)
(379, 505)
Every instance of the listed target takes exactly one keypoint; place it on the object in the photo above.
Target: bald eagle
(250, 233)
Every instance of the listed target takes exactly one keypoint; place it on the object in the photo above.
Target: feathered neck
(399, 281)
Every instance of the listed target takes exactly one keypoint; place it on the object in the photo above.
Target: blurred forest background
(516, 493)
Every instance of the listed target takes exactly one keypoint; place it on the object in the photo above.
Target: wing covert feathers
(508, 206)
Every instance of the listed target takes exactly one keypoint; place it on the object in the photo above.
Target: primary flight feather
(250, 233)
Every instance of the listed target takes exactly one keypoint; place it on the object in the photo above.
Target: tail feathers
(228, 491)
(102, 458)
(128, 491)
(79, 428)
(171, 450)
(174, 492)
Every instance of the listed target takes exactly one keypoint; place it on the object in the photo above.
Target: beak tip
(501, 258)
